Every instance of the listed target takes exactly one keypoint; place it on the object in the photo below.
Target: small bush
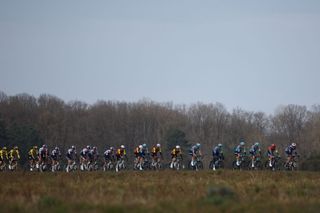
(219, 195)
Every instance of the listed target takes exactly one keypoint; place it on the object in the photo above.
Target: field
(165, 191)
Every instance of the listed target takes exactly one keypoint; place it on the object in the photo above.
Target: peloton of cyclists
(41, 156)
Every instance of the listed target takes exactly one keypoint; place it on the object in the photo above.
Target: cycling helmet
(177, 147)
(144, 145)
(219, 145)
(44, 146)
(35, 147)
(56, 148)
(198, 144)
(158, 145)
(293, 144)
(4, 148)
(256, 144)
(273, 146)
(111, 148)
(140, 146)
(88, 147)
(15, 147)
(122, 146)
(73, 147)
(94, 148)
(242, 143)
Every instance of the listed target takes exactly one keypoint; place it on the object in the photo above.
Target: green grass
(165, 191)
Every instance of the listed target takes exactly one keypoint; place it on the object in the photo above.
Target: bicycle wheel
(200, 165)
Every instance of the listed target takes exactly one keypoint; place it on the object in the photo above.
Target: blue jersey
(239, 149)
(217, 151)
(84, 152)
(254, 150)
(194, 149)
(290, 149)
(71, 154)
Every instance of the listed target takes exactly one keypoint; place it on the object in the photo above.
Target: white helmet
(177, 147)
(158, 145)
(122, 147)
(140, 146)
(293, 144)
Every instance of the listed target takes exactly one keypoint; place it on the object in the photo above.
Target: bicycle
(216, 163)
(255, 164)
(3, 166)
(13, 165)
(108, 165)
(43, 166)
(55, 167)
(292, 165)
(93, 166)
(156, 164)
(120, 165)
(177, 164)
(197, 164)
(72, 167)
(274, 164)
(241, 164)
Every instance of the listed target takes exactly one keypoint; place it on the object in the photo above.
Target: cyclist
(239, 152)
(43, 154)
(156, 154)
(217, 154)
(3, 157)
(145, 152)
(137, 155)
(14, 156)
(71, 157)
(175, 153)
(255, 152)
(291, 152)
(108, 156)
(55, 155)
(272, 153)
(84, 158)
(195, 152)
(120, 154)
(33, 157)
(140, 154)
(93, 155)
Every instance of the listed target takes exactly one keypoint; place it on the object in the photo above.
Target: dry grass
(165, 191)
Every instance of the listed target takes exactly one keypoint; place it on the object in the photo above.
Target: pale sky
(256, 55)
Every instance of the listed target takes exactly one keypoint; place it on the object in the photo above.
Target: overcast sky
(256, 55)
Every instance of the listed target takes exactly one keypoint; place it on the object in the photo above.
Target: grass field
(165, 191)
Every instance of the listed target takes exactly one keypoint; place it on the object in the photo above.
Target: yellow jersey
(3, 154)
(33, 153)
(13, 154)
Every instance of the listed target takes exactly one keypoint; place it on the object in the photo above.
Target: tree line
(26, 120)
